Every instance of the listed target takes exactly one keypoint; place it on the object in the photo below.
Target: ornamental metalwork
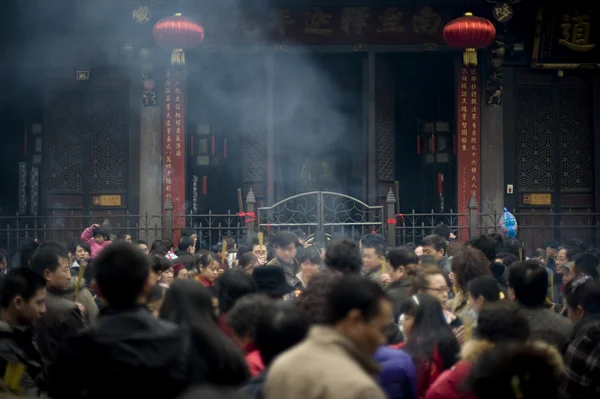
(386, 135)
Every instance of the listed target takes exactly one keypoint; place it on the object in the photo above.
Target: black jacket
(17, 345)
(124, 354)
(185, 258)
(398, 291)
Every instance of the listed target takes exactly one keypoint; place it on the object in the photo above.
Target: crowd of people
(288, 319)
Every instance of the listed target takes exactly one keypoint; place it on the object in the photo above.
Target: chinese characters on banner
(469, 135)
(173, 146)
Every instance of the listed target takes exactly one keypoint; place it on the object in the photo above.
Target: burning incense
(260, 241)
(383, 265)
(240, 200)
(79, 280)
(224, 253)
(468, 325)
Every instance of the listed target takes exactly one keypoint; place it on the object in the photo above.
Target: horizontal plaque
(541, 199)
(106, 200)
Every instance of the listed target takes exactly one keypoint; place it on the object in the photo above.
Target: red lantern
(469, 33)
(178, 32)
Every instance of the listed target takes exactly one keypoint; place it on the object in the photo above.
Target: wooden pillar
(492, 159)
(270, 111)
(371, 108)
(596, 140)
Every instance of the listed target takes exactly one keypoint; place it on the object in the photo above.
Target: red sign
(174, 146)
(468, 139)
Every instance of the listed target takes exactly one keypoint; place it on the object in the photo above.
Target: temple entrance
(318, 124)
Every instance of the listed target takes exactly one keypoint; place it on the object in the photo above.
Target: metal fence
(332, 214)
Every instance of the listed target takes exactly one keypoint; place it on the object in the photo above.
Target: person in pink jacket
(97, 238)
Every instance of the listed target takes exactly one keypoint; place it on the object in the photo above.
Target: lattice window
(254, 135)
(575, 120)
(386, 143)
(65, 152)
(108, 140)
(535, 139)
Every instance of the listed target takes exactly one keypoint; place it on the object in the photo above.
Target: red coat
(255, 363)
(427, 373)
(204, 281)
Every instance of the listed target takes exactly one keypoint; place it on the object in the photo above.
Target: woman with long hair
(215, 360)
(429, 341)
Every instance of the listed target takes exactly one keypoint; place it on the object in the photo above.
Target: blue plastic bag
(508, 224)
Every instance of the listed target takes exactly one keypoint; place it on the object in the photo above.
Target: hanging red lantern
(469, 33)
(178, 33)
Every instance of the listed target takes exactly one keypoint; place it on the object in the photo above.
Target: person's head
(529, 370)
(208, 267)
(122, 276)
(158, 248)
(248, 262)
(81, 251)
(430, 280)
(426, 330)
(186, 244)
(100, 234)
(506, 258)
(3, 260)
(155, 298)
(143, 246)
(401, 263)
(313, 298)
(582, 298)
(502, 321)
(189, 232)
(435, 246)
(26, 251)
(344, 256)
(551, 248)
(486, 245)
(243, 317)
(123, 236)
(528, 283)
(260, 251)
(278, 329)
(158, 266)
(482, 290)
(469, 264)
(427, 260)
(419, 250)
(302, 238)
(188, 303)
(284, 244)
(23, 296)
(51, 262)
(359, 309)
(373, 252)
(454, 247)
(310, 262)
(585, 264)
(371, 236)
(444, 231)
(179, 271)
(233, 285)
(168, 244)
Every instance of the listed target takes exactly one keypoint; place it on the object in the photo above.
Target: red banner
(469, 136)
(174, 146)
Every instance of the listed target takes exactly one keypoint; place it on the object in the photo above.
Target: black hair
(353, 292)
(486, 287)
(486, 245)
(587, 263)
(502, 321)
(436, 242)
(427, 260)
(202, 261)
(156, 293)
(140, 242)
(584, 292)
(552, 244)
(374, 241)
(468, 264)
(311, 255)
(22, 282)
(572, 252)
(84, 245)
(507, 258)
(284, 238)
(189, 305)
(314, 296)
(159, 264)
(430, 331)
(576, 243)
(517, 371)
(344, 256)
(26, 251)
(47, 257)
(168, 244)
(122, 235)
(402, 256)
(121, 273)
(242, 249)
(101, 232)
(411, 246)
(529, 281)
(158, 248)
(281, 327)
(188, 232)
(244, 314)
(233, 285)
(184, 243)
(247, 259)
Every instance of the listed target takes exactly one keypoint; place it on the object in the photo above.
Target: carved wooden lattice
(386, 141)
(535, 139)
(108, 140)
(254, 133)
(65, 149)
(575, 121)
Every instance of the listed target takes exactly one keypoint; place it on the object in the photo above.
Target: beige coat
(326, 365)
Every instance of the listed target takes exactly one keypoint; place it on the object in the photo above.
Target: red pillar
(468, 142)
(174, 145)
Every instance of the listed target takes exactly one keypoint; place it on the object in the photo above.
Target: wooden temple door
(554, 157)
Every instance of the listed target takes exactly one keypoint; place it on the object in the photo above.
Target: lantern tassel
(177, 57)
(470, 57)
